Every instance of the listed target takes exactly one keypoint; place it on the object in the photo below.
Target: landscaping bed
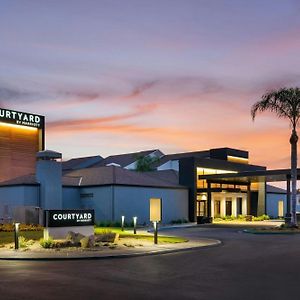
(104, 238)
(273, 230)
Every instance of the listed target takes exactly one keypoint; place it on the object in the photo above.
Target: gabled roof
(30, 179)
(124, 160)
(118, 176)
(81, 162)
(170, 175)
(21, 180)
(176, 156)
(274, 190)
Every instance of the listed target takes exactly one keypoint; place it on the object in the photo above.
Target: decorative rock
(74, 237)
(63, 244)
(87, 241)
(107, 237)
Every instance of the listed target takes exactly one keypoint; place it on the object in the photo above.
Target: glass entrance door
(239, 205)
(217, 208)
(228, 207)
(201, 208)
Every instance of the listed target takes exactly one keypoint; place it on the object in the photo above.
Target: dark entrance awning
(252, 176)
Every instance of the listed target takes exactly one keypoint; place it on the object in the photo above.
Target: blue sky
(119, 76)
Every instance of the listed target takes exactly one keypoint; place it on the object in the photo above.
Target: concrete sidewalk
(51, 254)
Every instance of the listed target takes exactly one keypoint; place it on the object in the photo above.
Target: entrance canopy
(252, 176)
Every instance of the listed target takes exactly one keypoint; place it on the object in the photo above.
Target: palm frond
(284, 102)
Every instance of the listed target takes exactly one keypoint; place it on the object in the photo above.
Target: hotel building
(196, 186)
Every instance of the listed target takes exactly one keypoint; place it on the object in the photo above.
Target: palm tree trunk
(293, 141)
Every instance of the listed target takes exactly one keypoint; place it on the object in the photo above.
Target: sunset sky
(121, 76)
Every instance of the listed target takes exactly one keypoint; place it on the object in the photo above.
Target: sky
(176, 75)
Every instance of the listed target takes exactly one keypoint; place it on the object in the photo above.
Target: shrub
(229, 218)
(111, 224)
(23, 227)
(47, 243)
(261, 218)
(241, 218)
(24, 243)
(218, 219)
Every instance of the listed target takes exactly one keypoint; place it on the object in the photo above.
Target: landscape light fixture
(134, 224)
(155, 225)
(16, 225)
(122, 222)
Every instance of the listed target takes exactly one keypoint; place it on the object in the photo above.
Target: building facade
(195, 186)
(21, 137)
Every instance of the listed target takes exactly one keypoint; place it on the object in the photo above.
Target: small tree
(285, 103)
(145, 163)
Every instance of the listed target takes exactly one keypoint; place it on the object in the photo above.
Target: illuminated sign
(66, 218)
(21, 118)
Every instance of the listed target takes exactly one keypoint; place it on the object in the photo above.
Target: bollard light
(134, 224)
(16, 235)
(155, 225)
(122, 222)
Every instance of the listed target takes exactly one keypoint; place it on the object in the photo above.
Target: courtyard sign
(21, 118)
(67, 218)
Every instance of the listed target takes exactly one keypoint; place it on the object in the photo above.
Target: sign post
(155, 215)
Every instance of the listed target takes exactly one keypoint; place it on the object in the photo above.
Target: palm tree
(145, 163)
(285, 103)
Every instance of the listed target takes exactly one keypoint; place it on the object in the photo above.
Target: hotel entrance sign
(58, 223)
(21, 118)
(69, 218)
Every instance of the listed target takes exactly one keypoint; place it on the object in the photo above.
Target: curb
(268, 232)
(176, 227)
(117, 256)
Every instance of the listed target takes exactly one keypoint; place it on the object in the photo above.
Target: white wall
(170, 165)
(71, 198)
(134, 201)
(101, 201)
(110, 203)
(233, 197)
(272, 204)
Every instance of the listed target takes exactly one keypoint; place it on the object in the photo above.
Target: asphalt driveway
(245, 266)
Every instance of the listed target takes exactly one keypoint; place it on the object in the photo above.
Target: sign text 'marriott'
(21, 118)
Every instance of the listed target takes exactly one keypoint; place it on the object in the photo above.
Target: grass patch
(148, 237)
(161, 239)
(8, 237)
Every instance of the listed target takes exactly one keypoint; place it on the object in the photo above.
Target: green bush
(218, 219)
(261, 218)
(112, 224)
(241, 218)
(47, 243)
(229, 218)
(24, 243)
(22, 227)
